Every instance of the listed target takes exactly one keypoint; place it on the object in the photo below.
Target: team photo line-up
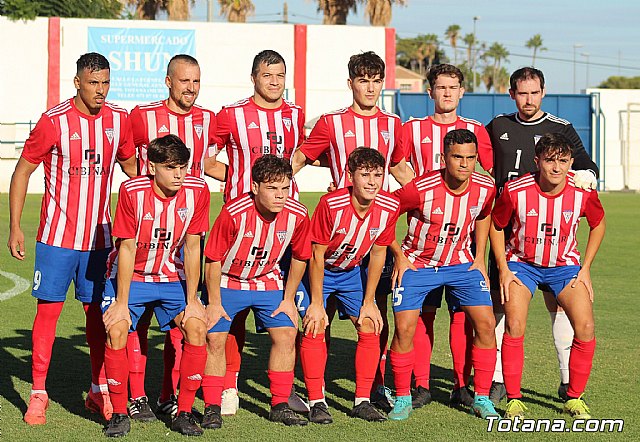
(265, 253)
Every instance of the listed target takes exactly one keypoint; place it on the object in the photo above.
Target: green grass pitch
(611, 393)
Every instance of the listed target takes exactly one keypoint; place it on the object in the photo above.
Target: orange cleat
(37, 411)
(99, 403)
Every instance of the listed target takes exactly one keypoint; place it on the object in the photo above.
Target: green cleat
(577, 408)
(401, 409)
(483, 407)
(515, 408)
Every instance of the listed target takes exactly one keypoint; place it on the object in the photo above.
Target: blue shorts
(167, 299)
(263, 303)
(466, 288)
(56, 267)
(547, 279)
(346, 286)
(384, 285)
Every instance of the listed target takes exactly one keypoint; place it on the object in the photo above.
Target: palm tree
(535, 43)
(494, 57)
(148, 9)
(470, 41)
(418, 53)
(452, 33)
(379, 11)
(236, 11)
(336, 11)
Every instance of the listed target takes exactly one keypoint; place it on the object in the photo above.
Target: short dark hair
(366, 64)
(91, 61)
(444, 69)
(185, 58)
(459, 136)
(526, 73)
(365, 158)
(267, 57)
(554, 145)
(168, 150)
(270, 168)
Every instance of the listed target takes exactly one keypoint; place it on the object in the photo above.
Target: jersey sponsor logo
(373, 232)
(536, 138)
(438, 211)
(385, 136)
(532, 212)
(341, 231)
(161, 234)
(91, 156)
(426, 140)
(249, 234)
(94, 167)
(147, 217)
(282, 235)
(504, 136)
(259, 252)
(474, 211)
(182, 213)
(198, 129)
(109, 134)
(252, 125)
(75, 136)
(548, 229)
(287, 123)
(163, 129)
(349, 134)
(568, 214)
(451, 229)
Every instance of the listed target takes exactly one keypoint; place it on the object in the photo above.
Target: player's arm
(194, 308)
(400, 264)
(315, 319)
(498, 247)
(129, 166)
(213, 278)
(215, 169)
(481, 236)
(119, 308)
(402, 172)
(17, 196)
(369, 308)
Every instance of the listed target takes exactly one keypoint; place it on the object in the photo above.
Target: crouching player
(346, 225)
(446, 208)
(243, 252)
(545, 209)
(156, 216)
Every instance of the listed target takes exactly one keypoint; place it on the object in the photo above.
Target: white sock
(323, 400)
(562, 338)
(38, 392)
(99, 388)
(360, 400)
(497, 374)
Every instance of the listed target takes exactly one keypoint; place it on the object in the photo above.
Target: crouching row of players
(160, 219)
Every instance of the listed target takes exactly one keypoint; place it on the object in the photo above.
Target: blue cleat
(401, 409)
(483, 407)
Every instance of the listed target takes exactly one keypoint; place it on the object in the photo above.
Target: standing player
(244, 251)
(79, 142)
(196, 127)
(337, 134)
(159, 217)
(422, 139)
(265, 123)
(445, 209)
(513, 138)
(544, 210)
(347, 224)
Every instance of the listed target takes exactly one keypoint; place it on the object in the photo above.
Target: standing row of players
(80, 139)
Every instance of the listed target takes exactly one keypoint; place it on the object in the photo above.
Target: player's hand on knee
(371, 311)
(584, 277)
(214, 313)
(506, 279)
(16, 244)
(288, 307)
(194, 309)
(116, 312)
(315, 320)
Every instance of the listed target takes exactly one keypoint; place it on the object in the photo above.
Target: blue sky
(609, 31)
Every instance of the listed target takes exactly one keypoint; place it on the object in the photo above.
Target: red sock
(382, 365)
(172, 356)
(42, 337)
(460, 342)
(402, 364)
(512, 364)
(484, 363)
(313, 356)
(137, 345)
(367, 358)
(580, 362)
(212, 390)
(234, 359)
(423, 346)
(280, 383)
(96, 339)
(194, 358)
(117, 368)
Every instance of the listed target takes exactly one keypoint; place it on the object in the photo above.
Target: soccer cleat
(139, 410)
(185, 423)
(421, 397)
(283, 413)
(230, 402)
(211, 419)
(401, 409)
(118, 426)
(319, 414)
(99, 403)
(483, 407)
(515, 408)
(562, 392)
(168, 408)
(366, 411)
(37, 411)
(296, 403)
(381, 399)
(497, 392)
(577, 408)
(461, 397)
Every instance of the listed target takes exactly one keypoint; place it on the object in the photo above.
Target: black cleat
(421, 397)
(367, 412)
(283, 413)
(461, 397)
(562, 392)
(167, 409)
(212, 418)
(139, 410)
(118, 426)
(497, 392)
(185, 423)
(319, 414)
(380, 399)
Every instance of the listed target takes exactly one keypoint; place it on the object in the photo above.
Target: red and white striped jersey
(543, 226)
(422, 141)
(159, 226)
(197, 129)
(339, 133)
(79, 152)
(349, 237)
(441, 223)
(250, 248)
(249, 131)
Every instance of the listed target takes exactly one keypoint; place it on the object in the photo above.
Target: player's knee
(485, 327)
(584, 330)
(117, 336)
(514, 327)
(195, 332)
(216, 344)
(366, 326)
(285, 338)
